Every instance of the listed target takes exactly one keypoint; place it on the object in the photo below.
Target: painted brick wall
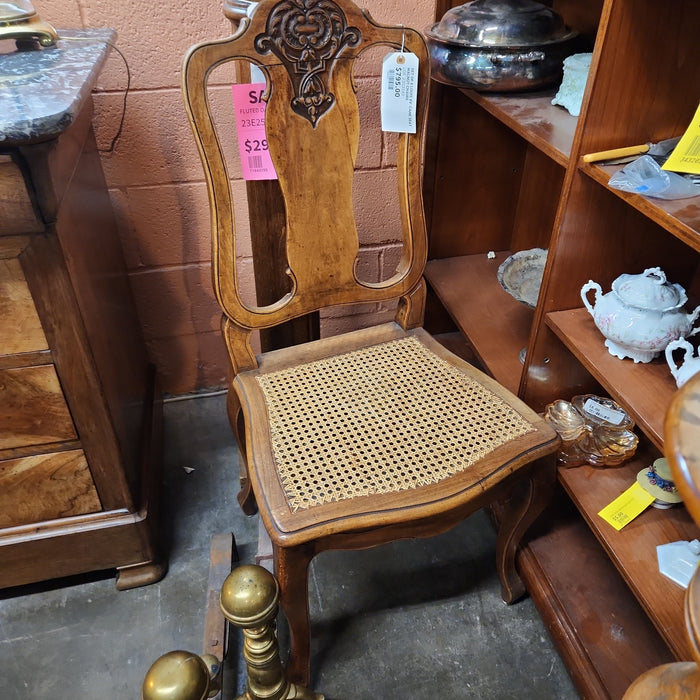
(157, 188)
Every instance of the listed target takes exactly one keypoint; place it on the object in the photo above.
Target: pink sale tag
(249, 108)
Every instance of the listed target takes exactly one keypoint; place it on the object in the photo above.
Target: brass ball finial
(249, 595)
(177, 675)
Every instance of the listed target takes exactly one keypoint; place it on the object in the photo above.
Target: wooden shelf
(496, 325)
(532, 115)
(680, 217)
(633, 549)
(645, 390)
(599, 628)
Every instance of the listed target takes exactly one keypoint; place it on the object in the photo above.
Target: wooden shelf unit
(504, 173)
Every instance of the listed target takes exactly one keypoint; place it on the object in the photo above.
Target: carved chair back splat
(381, 434)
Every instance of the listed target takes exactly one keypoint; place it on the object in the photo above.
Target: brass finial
(249, 596)
(249, 600)
(177, 675)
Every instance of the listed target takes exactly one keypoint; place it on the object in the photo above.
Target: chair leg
(292, 572)
(529, 498)
(246, 499)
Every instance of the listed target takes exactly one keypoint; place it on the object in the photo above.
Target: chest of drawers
(79, 407)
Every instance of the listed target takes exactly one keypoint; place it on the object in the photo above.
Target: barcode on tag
(390, 79)
(603, 412)
(255, 163)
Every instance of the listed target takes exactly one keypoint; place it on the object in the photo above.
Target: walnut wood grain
(50, 165)
(55, 299)
(26, 359)
(20, 327)
(17, 211)
(495, 324)
(33, 410)
(12, 246)
(46, 487)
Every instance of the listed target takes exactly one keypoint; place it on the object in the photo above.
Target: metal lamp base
(28, 27)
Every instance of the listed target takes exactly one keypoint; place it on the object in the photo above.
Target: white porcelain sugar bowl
(641, 315)
(690, 364)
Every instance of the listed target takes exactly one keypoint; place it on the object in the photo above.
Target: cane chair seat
(395, 422)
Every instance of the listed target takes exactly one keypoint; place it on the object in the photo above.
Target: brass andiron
(249, 600)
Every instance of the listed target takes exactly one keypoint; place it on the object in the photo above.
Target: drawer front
(32, 408)
(20, 328)
(17, 214)
(46, 487)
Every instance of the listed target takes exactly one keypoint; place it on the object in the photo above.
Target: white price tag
(399, 92)
(256, 74)
(604, 412)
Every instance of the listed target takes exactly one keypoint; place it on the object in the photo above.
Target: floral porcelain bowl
(641, 315)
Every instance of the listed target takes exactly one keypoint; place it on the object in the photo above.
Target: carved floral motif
(306, 35)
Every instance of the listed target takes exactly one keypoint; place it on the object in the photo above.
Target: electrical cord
(113, 143)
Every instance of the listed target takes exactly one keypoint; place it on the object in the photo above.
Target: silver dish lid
(505, 23)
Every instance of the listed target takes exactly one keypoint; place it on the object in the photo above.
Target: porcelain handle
(656, 272)
(584, 294)
(692, 319)
(674, 345)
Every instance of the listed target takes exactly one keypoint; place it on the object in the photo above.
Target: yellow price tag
(627, 506)
(685, 157)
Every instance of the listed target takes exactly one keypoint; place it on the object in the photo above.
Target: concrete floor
(417, 620)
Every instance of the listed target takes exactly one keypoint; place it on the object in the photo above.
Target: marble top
(42, 91)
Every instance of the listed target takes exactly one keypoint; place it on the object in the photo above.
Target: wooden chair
(380, 434)
(680, 680)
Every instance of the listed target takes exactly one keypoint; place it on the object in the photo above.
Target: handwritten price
(253, 145)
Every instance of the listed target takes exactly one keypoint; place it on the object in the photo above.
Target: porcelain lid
(501, 23)
(649, 290)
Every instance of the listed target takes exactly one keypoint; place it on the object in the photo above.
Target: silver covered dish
(500, 45)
